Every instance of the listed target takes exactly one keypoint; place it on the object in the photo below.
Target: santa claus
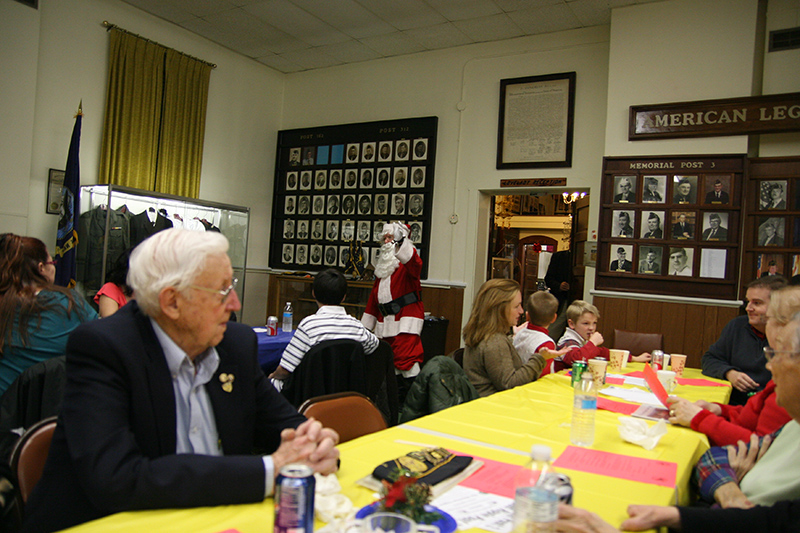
(394, 309)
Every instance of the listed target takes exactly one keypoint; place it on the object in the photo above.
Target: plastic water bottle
(584, 408)
(535, 506)
(287, 317)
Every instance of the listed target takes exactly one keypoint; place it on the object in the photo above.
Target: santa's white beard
(387, 261)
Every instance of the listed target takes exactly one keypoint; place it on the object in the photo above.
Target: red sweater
(579, 352)
(760, 415)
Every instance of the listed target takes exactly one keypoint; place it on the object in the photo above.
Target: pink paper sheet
(662, 473)
(494, 477)
(616, 407)
(697, 382)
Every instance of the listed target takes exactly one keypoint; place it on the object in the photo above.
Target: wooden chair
(349, 413)
(30, 454)
(636, 342)
(458, 356)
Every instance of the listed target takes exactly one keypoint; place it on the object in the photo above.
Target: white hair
(170, 258)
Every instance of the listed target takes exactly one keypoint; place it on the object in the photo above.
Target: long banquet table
(502, 428)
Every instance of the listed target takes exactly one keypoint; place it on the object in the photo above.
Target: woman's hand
(742, 459)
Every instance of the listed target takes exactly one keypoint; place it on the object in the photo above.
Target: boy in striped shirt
(330, 322)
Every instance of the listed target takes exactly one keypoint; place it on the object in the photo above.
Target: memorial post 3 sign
(712, 118)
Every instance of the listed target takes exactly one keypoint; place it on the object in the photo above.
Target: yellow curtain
(155, 117)
(183, 125)
(133, 111)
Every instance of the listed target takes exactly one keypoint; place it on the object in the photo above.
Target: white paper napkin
(637, 431)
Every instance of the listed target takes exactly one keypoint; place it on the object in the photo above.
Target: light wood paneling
(687, 328)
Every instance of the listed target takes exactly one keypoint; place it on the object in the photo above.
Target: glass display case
(114, 219)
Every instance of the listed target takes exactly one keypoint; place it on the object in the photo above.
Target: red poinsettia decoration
(396, 492)
(406, 495)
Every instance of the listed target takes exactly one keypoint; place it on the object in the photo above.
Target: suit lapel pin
(227, 381)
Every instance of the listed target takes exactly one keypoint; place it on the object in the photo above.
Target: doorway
(528, 229)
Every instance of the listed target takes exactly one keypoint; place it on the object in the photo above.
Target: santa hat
(398, 230)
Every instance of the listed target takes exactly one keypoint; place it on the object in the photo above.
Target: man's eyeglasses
(222, 292)
(770, 354)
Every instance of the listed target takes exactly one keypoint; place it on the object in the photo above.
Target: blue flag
(67, 236)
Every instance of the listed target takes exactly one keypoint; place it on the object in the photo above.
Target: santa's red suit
(400, 330)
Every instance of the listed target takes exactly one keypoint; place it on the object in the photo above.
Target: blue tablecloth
(270, 348)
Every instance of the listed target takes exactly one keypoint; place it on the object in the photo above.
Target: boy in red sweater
(583, 339)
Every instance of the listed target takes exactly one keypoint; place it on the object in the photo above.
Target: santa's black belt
(394, 307)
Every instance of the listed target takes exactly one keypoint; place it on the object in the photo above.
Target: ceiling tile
(464, 9)
(348, 16)
(311, 58)
(491, 28)
(439, 36)
(350, 52)
(393, 44)
(404, 14)
(164, 10)
(590, 13)
(280, 64)
(296, 21)
(515, 5)
(545, 19)
(296, 35)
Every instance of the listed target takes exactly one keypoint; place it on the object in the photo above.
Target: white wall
(434, 83)
(57, 56)
(18, 51)
(60, 53)
(781, 74)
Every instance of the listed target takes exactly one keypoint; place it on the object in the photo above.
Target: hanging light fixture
(571, 197)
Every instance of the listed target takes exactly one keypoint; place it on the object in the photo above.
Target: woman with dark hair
(491, 362)
(36, 317)
(115, 292)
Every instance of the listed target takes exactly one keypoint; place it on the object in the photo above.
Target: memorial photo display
(337, 184)
(672, 221)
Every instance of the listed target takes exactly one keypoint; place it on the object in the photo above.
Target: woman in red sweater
(728, 424)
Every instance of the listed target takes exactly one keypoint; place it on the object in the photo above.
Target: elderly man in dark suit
(717, 196)
(715, 232)
(165, 403)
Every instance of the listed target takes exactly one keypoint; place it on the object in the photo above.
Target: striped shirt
(330, 322)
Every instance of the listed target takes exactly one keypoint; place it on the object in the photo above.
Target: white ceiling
(297, 35)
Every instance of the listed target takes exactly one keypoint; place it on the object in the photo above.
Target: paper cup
(617, 359)
(678, 364)
(667, 379)
(598, 369)
(666, 361)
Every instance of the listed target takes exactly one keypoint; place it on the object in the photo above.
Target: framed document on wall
(536, 120)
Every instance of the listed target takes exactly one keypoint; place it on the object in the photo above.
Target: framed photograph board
(55, 182)
(336, 184)
(536, 121)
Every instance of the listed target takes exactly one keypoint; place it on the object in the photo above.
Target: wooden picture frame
(530, 109)
(55, 182)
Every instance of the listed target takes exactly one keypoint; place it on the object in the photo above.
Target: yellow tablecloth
(501, 427)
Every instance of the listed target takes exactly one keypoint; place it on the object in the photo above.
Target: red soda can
(272, 325)
(657, 360)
